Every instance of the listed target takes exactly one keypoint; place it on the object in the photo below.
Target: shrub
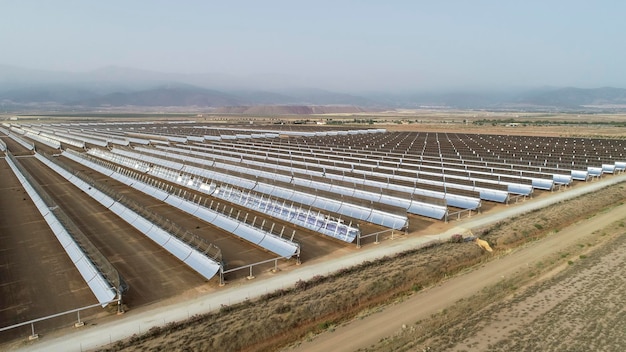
(456, 238)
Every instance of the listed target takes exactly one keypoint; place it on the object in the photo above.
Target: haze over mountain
(114, 87)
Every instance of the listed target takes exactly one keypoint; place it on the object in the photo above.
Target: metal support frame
(376, 235)
(251, 276)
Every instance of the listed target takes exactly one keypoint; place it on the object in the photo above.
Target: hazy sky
(345, 45)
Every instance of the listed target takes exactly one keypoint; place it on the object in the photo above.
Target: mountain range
(115, 87)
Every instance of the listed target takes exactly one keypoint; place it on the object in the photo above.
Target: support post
(222, 283)
(33, 336)
(79, 323)
(250, 277)
(120, 306)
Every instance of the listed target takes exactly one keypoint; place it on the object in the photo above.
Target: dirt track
(368, 331)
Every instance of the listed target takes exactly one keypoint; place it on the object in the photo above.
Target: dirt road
(367, 331)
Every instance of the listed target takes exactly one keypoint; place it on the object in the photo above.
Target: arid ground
(361, 307)
(551, 271)
(542, 241)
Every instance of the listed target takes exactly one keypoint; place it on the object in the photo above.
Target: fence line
(56, 315)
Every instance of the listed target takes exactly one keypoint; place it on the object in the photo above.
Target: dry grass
(577, 309)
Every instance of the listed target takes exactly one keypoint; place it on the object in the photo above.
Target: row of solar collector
(537, 180)
(558, 178)
(100, 287)
(102, 139)
(196, 260)
(467, 198)
(420, 177)
(554, 144)
(423, 146)
(97, 138)
(199, 130)
(566, 161)
(416, 142)
(280, 246)
(18, 139)
(394, 160)
(75, 138)
(224, 133)
(558, 175)
(330, 201)
(55, 140)
(280, 209)
(580, 162)
(339, 199)
(267, 184)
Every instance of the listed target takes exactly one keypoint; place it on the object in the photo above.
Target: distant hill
(267, 110)
(164, 96)
(126, 87)
(59, 94)
(575, 97)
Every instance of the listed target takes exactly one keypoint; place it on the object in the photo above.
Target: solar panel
(594, 171)
(581, 175)
(608, 168)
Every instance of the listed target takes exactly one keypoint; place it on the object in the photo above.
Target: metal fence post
(79, 323)
(33, 336)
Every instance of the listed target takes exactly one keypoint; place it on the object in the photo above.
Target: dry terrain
(325, 302)
(550, 294)
(507, 312)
